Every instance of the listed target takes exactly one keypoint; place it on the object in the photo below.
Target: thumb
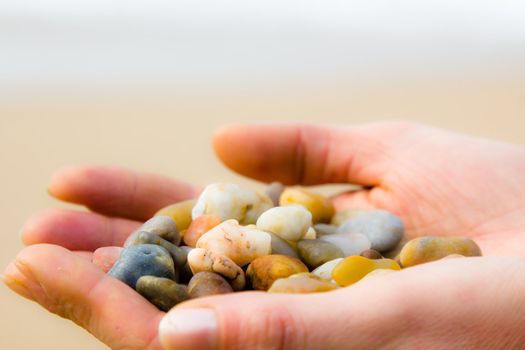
(255, 320)
(250, 321)
(309, 154)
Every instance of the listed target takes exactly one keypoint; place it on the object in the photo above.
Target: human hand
(239, 322)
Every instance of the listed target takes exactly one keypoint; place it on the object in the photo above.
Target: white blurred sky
(208, 43)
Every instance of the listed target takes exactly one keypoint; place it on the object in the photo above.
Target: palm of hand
(413, 171)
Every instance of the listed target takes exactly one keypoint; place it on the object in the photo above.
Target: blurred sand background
(161, 119)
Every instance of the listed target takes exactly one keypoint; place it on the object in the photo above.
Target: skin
(438, 182)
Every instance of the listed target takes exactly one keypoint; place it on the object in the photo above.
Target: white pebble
(290, 222)
(230, 201)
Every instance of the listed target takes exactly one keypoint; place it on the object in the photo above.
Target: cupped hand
(438, 182)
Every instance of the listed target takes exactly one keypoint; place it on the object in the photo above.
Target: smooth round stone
(142, 260)
(164, 293)
(349, 243)
(241, 244)
(145, 237)
(180, 212)
(425, 249)
(324, 229)
(198, 227)
(344, 215)
(382, 228)
(302, 283)
(315, 252)
(282, 247)
(354, 268)
(263, 271)
(163, 226)
(371, 254)
(105, 257)
(325, 271)
(291, 222)
(230, 201)
(208, 283)
(274, 191)
(320, 206)
(205, 260)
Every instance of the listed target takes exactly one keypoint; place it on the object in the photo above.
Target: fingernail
(187, 328)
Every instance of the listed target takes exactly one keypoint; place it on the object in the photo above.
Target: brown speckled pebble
(208, 283)
(371, 254)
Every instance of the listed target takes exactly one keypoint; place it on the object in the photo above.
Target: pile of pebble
(287, 240)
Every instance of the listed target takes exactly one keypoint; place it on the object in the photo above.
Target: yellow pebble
(264, 270)
(180, 212)
(305, 282)
(425, 249)
(355, 267)
(320, 206)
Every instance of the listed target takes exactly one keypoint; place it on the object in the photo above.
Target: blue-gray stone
(178, 254)
(142, 260)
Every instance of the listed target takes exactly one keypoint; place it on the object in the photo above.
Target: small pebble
(291, 222)
(206, 260)
(302, 283)
(208, 283)
(371, 254)
(263, 271)
(142, 260)
(163, 226)
(164, 293)
(324, 229)
(241, 244)
(144, 237)
(320, 206)
(105, 257)
(382, 228)
(180, 212)
(325, 271)
(353, 268)
(230, 201)
(198, 227)
(282, 247)
(425, 249)
(349, 243)
(310, 234)
(315, 252)
(274, 191)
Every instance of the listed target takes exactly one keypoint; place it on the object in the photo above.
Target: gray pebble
(315, 252)
(382, 228)
(163, 226)
(280, 246)
(274, 191)
(141, 260)
(324, 229)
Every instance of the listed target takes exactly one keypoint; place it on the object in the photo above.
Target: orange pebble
(198, 227)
